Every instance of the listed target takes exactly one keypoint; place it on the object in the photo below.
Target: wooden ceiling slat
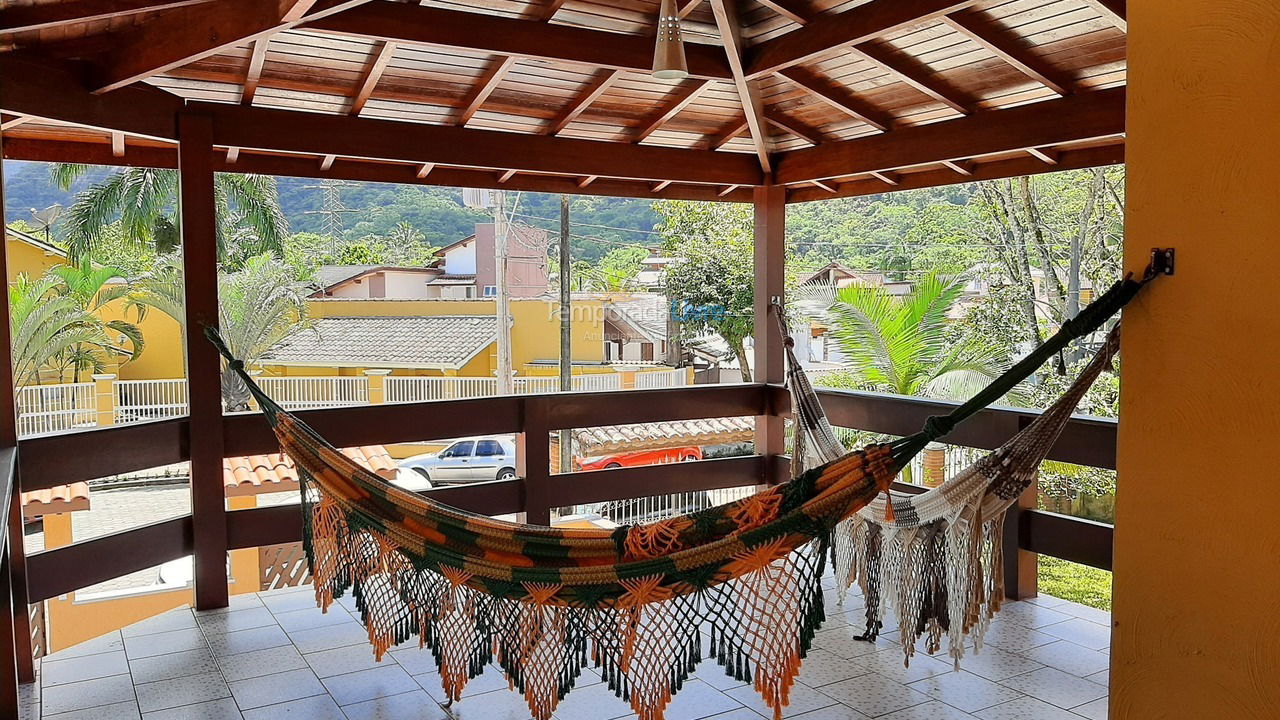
(811, 135)
(177, 37)
(838, 97)
(508, 36)
(1076, 117)
(916, 75)
(1009, 50)
(28, 18)
(857, 25)
(1115, 12)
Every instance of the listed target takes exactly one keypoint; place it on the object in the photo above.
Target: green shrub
(1078, 583)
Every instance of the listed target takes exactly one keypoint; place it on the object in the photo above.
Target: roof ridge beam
(494, 34)
(860, 24)
(1084, 116)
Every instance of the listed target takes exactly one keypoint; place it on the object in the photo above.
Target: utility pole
(566, 343)
(500, 230)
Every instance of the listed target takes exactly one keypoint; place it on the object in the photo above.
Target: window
(489, 448)
(459, 450)
(490, 290)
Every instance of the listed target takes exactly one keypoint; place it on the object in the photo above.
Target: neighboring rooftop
(256, 474)
(659, 435)
(436, 342)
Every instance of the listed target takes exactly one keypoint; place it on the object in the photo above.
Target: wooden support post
(1021, 568)
(770, 260)
(204, 376)
(533, 460)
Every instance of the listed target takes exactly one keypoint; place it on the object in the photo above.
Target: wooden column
(200, 273)
(1195, 628)
(533, 460)
(15, 644)
(770, 365)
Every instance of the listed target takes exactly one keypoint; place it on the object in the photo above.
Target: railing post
(533, 460)
(1021, 568)
(204, 377)
(770, 273)
(377, 380)
(104, 399)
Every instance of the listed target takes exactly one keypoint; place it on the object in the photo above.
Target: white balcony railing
(303, 393)
(55, 408)
(138, 400)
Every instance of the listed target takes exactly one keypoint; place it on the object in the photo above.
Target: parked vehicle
(473, 459)
(641, 457)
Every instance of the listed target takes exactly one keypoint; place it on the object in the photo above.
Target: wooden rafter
(506, 175)
(798, 11)
(809, 134)
(233, 154)
(1115, 11)
(543, 10)
(887, 178)
(326, 162)
(684, 94)
(117, 144)
(476, 32)
(857, 25)
(962, 167)
(257, 58)
(587, 180)
(659, 187)
(727, 188)
(425, 170)
(178, 37)
(594, 89)
(838, 97)
(25, 18)
(915, 74)
(688, 7)
(729, 132)
(14, 122)
(824, 186)
(484, 87)
(748, 93)
(372, 75)
(1009, 49)
(1044, 155)
(1083, 116)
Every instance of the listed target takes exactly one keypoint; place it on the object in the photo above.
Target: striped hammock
(645, 604)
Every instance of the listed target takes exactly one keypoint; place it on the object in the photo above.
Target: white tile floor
(273, 655)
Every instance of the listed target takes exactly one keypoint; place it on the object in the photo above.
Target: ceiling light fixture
(668, 51)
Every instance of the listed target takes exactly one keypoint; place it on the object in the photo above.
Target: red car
(642, 457)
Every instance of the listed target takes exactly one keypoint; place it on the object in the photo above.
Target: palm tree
(88, 285)
(51, 329)
(899, 344)
(143, 199)
(259, 305)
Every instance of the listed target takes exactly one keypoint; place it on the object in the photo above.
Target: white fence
(138, 400)
(55, 408)
(303, 393)
(58, 408)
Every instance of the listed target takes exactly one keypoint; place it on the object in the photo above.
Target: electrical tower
(331, 208)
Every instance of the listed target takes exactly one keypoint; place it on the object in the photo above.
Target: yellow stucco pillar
(627, 378)
(377, 386)
(57, 530)
(1196, 629)
(105, 399)
(246, 574)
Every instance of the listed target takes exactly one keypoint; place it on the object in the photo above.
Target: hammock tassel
(889, 515)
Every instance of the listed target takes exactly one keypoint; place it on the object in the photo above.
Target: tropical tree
(899, 344)
(50, 328)
(250, 221)
(712, 285)
(89, 286)
(259, 305)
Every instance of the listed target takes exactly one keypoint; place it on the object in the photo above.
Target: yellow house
(30, 255)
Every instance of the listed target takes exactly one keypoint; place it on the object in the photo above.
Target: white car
(468, 460)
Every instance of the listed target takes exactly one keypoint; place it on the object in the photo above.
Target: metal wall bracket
(1162, 261)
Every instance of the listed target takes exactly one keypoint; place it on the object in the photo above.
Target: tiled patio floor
(274, 655)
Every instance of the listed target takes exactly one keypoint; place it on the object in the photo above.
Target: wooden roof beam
(543, 10)
(326, 162)
(587, 180)
(687, 8)
(372, 75)
(593, 90)
(506, 175)
(256, 128)
(962, 167)
(1011, 50)
(425, 170)
(684, 94)
(659, 187)
(440, 27)
(1115, 12)
(727, 22)
(257, 58)
(857, 25)
(727, 188)
(178, 37)
(1044, 155)
(811, 135)
(822, 185)
(913, 73)
(885, 177)
(25, 18)
(117, 144)
(488, 82)
(15, 121)
(797, 11)
(838, 97)
(728, 133)
(1083, 116)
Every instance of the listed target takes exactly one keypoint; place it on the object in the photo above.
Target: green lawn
(1079, 583)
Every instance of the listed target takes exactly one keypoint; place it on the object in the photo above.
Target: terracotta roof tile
(254, 474)
(441, 341)
(57, 499)
(652, 436)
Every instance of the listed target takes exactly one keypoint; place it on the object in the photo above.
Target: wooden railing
(55, 460)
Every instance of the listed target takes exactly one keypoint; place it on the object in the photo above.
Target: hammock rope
(644, 604)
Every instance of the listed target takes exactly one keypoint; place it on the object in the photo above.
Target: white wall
(461, 260)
